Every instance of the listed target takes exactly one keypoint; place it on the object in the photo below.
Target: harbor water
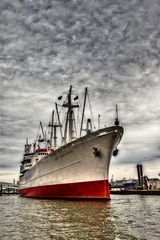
(128, 217)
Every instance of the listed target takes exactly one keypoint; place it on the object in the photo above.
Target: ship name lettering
(64, 154)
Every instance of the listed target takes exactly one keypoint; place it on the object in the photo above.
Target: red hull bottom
(92, 190)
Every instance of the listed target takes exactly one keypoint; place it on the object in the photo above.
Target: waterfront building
(8, 187)
(153, 184)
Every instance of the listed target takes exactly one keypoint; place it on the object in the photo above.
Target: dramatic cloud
(110, 46)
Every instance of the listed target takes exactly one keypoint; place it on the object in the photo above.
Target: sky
(112, 47)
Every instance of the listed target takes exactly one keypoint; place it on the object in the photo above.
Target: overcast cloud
(113, 47)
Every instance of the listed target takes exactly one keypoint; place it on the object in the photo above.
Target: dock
(140, 192)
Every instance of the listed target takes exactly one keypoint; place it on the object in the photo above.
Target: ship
(77, 167)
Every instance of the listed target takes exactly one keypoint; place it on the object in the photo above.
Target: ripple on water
(123, 218)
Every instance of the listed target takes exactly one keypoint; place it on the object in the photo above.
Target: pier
(140, 192)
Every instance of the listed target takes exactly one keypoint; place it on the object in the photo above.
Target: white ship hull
(74, 170)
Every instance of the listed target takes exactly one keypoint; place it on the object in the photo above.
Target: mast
(34, 146)
(59, 122)
(27, 146)
(54, 126)
(84, 104)
(51, 125)
(43, 139)
(70, 116)
(65, 130)
(42, 130)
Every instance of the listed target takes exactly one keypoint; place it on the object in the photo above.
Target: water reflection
(122, 218)
(58, 219)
